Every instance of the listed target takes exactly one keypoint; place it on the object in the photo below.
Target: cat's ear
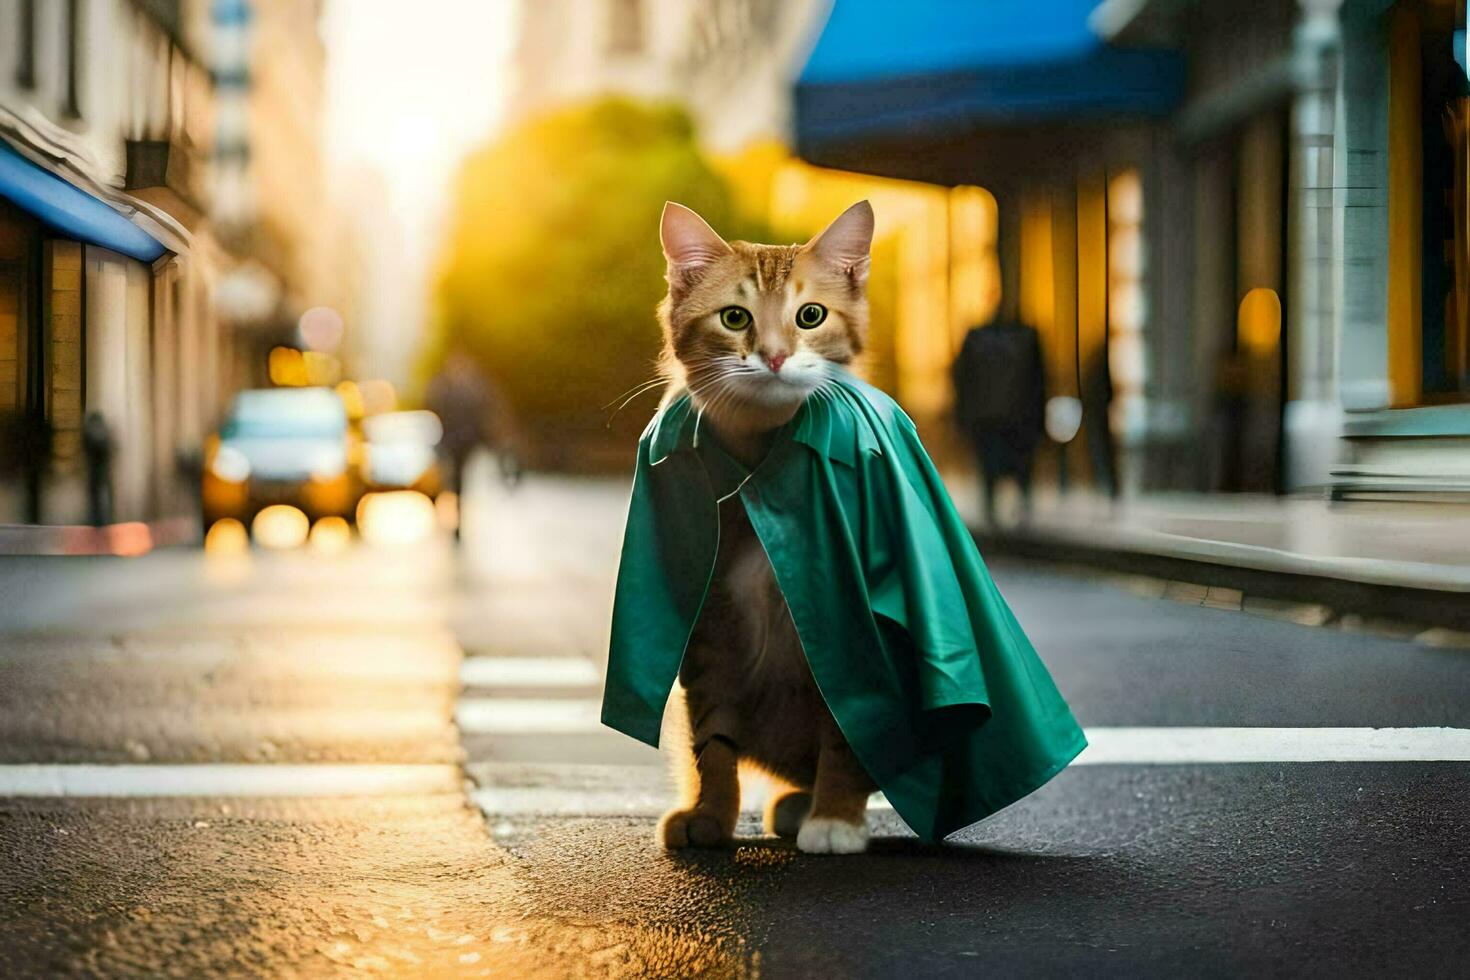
(846, 241)
(689, 243)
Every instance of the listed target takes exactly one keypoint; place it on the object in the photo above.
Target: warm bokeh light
(287, 367)
(351, 397)
(130, 539)
(378, 396)
(280, 527)
(330, 536)
(1126, 303)
(446, 509)
(1258, 322)
(321, 328)
(322, 370)
(226, 536)
(395, 518)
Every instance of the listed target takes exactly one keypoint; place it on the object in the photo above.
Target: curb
(128, 539)
(1372, 595)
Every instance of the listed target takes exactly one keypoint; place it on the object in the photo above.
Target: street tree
(552, 266)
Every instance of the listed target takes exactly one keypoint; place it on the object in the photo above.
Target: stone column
(1313, 416)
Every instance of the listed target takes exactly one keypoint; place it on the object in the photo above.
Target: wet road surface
(358, 667)
(304, 707)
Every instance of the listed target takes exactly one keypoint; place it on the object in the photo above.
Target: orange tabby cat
(750, 331)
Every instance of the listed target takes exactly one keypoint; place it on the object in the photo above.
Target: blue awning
(882, 69)
(71, 211)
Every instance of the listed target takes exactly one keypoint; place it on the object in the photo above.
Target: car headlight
(230, 465)
(328, 465)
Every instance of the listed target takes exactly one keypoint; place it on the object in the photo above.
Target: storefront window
(1444, 291)
(18, 240)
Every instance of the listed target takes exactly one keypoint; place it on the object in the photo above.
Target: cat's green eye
(810, 315)
(735, 317)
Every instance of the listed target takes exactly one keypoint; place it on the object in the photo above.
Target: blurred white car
(281, 446)
(401, 452)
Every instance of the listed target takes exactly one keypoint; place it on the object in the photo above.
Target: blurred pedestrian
(97, 450)
(1097, 404)
(472, 413)
(1000, 396)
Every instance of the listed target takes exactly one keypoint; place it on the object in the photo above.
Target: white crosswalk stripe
(527, 716)
(228, 780)
(528, 672)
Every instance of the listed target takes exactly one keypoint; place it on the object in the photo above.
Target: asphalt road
(311, 704)
(1274, 868)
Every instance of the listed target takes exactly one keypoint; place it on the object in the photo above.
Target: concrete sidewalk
(1394, 559)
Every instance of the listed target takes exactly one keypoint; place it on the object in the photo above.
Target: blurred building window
(624, 27)
(25, 32)
(19, 289)
(1429, 215)
(62, 305)
(73, 106)
(1443, 114)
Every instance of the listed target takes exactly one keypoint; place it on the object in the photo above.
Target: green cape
(927, 673)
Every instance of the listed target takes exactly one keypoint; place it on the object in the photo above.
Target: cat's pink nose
(775, 361)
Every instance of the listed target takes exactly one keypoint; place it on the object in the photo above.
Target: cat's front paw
(824, 835)
(691, 828)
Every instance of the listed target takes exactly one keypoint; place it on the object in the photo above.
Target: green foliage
(553, 266)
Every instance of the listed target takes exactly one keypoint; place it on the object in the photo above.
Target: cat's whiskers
(716, 385)
(637, 389)
(697, 389)
(723, 391)
(733, 393)
(640, 389)
(721, 386)
(632, 393)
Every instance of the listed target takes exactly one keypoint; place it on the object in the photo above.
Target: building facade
(1318, 167)
(105, 115)
(1248, 219)
(729, 61)
(125, 305)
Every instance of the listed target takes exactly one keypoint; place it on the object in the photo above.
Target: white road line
(647, 794)
(1108, 745)
(228, 779)
(528, 716)
(528, 672)
(552, 801)
(1189, 746)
